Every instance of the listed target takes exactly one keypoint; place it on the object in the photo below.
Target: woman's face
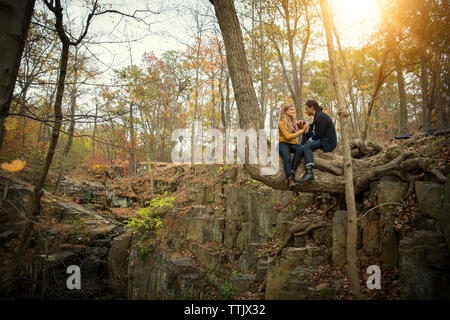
(291, 112)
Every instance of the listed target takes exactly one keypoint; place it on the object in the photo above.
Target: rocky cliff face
(221, 244)
(222, 239)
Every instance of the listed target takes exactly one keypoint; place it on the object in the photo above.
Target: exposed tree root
(299, 230)
(396, 159)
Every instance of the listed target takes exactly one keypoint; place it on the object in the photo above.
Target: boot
(291, 183)
(308, 176)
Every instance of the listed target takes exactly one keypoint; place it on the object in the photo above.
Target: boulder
(121, 202)
(339, 234)
(243, 282)
(424, 266)
(430, 197)
(279, 272)
(262, 216)
(304, 200)
(118, 264)
(210, 258)
(298, 285)
(204, 228)
(160, 273)
(249, 258)
(445, 214)
(370, 232)
(323, 236)
(261, 269)
(389, 189)
(389, 243)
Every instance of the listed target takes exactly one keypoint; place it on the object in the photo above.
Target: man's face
(309, 110)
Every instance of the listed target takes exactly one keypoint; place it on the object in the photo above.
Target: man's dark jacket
(322, 128)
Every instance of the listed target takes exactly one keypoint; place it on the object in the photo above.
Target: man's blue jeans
(306, 150)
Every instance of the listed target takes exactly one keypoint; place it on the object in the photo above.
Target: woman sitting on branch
(289, 129)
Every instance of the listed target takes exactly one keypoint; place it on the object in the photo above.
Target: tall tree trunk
(381, 76)
(55, 7)
(392, 45)
(355, 118)
(213, 104)
(146, 127)
(94, 134)
(55, 130)
(73, 102)
(290, 36)
(302, 59)
(197, 85)
(15, 17)
(222, 98)
(426, 125)
(228, 100)
(348, 170)
(24, 120)
(133, 143)
(403, 112)
(241, 78)
(444, 109)
(262, 95)
(37, 194)
(287, 82)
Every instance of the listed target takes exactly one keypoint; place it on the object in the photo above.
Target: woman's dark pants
(285, 149)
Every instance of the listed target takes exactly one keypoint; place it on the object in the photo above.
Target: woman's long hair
(286, 119)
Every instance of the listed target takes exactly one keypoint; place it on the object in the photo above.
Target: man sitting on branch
(320, 134)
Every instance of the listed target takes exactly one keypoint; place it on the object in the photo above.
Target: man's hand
(306, 127)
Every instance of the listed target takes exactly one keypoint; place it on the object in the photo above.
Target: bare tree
(56, 8)
(15, 17)
(73, 104)
(348, 169)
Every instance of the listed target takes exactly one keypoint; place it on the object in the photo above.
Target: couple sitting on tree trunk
(320, 134)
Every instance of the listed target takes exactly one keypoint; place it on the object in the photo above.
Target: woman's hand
(307, 128)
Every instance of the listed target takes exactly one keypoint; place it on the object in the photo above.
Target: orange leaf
(14, 166)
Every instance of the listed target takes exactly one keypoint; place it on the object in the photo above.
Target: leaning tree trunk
(348, 170)
(241, 79)
(15, 17)
(36, 204)
(56, 8)
(68, 146)
(37, 194)
(381, 76)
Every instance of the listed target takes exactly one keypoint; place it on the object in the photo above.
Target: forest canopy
(121, 103)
